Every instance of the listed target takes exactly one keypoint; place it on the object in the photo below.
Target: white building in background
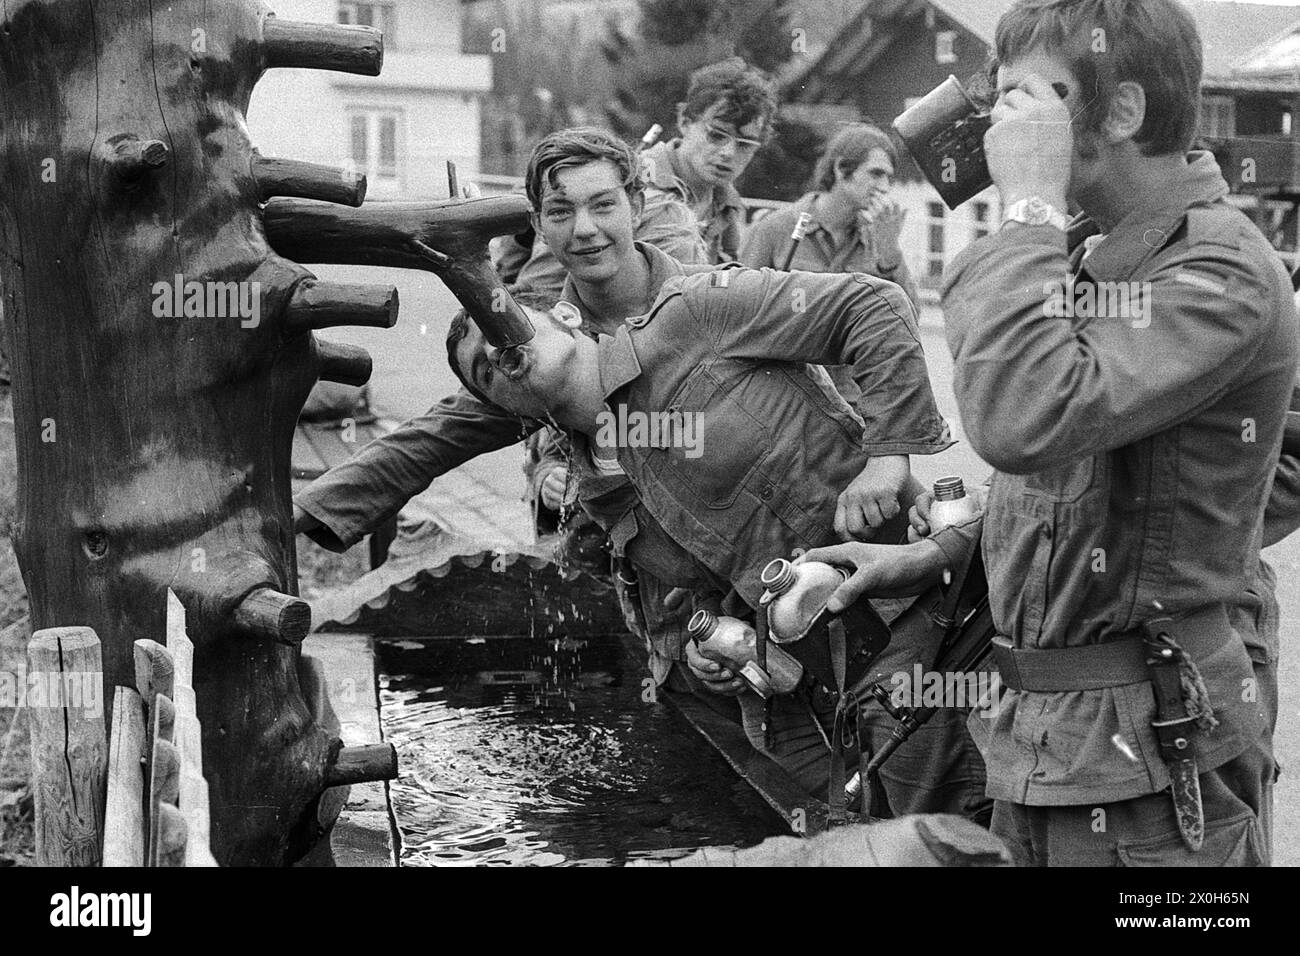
(400, 127)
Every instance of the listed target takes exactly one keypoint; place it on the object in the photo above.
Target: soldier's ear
(638, 207)
(1128, 110)
(682, 119)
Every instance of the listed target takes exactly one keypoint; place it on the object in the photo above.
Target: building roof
(1235, 36)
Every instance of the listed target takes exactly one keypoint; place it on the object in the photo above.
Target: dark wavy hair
(1154, 43)
(745, 92)
(578, 146)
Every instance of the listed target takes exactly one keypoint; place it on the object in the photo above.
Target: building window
(1216, 119)
(374, 147)
(935, 215)
(943, 46)
(980, 211)
(381, 16)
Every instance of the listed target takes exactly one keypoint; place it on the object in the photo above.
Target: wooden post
(134, 268)
(65, 676)
(124, 807)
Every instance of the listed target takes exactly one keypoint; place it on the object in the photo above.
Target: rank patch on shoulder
(720, 280)
(1200, 282)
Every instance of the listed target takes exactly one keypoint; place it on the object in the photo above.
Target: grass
(16, 842)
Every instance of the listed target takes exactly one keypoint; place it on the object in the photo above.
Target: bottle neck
(949, 489)
(702, 625)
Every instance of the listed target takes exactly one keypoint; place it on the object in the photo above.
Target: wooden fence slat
(178, 642)
(172, 836)
(194, 805)
(164, 789)
(65, 674)
(155, 672)
(164, 719)
(124, 806)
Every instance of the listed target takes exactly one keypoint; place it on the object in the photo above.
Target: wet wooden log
(323, 46)
(325, 305)
(292, 177)
(345, 364)
(65, 710)
(363, 764)
(273, 616)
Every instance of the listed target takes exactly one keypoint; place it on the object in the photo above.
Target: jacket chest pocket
(723, 443)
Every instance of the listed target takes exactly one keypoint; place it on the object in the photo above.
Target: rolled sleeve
(358, 496)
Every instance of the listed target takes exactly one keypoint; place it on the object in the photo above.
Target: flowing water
(534, 751)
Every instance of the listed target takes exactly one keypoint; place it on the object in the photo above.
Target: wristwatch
(1035, 211)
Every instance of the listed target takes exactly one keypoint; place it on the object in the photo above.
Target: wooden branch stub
(155, 672)
(292, 177)
(324, 305)
(370, 762)
(345, 364)
(268, 614)
(132, 159)
(322, 46)
(65, 708)
(449, 239)
(124, 806)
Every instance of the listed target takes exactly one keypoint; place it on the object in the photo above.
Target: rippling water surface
(518, 751)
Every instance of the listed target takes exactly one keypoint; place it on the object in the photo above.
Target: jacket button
(766, 493)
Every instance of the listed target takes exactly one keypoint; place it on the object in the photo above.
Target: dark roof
(1231, 33)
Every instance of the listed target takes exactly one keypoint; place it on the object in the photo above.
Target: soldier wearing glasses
(726, 117)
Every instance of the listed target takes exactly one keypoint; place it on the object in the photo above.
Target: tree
(672, 38)
(548, 74)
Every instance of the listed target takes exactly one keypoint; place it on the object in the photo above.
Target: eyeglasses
(719, 138)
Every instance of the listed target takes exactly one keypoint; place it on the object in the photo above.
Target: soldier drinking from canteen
(1133, 458)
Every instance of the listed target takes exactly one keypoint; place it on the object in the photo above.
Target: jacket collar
(667, 169)
(662, 268)
(1147, 228)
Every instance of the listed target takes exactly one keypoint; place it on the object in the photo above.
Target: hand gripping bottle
(800, 592)
(734, 644)
(797, 620)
